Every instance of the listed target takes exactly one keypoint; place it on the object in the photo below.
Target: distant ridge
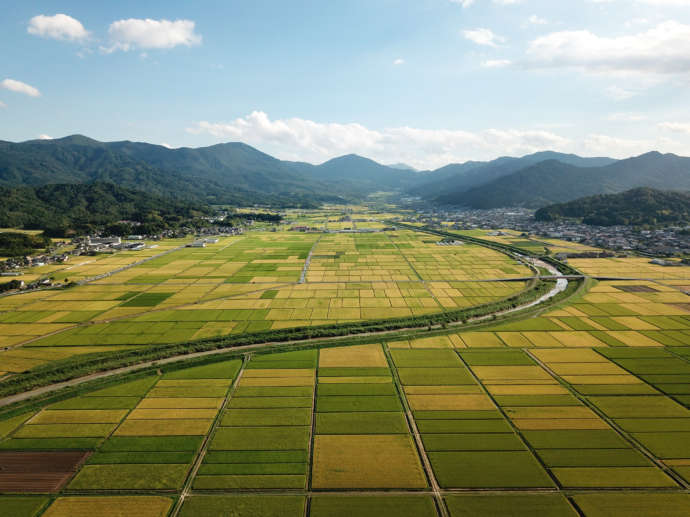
(238, 174)
(456, 178)
(233, 173)
(553, 181)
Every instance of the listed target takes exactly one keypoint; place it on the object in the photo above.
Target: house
(103, 241)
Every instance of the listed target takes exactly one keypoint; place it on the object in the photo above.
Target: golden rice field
(630, 267)
(581, 410)
(245, 284)
(455, 424)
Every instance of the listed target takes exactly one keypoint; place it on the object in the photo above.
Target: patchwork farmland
(248, 284)
(436, 426)
(578, 409)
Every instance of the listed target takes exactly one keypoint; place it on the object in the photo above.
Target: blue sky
(426, 82)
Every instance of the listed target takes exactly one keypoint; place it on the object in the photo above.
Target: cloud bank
(135, 33)
(664, 49)
(315, 142)
(59, 27)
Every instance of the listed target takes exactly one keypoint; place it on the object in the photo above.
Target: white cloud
(483, 36)
(45, 137)
(676, 127)
(496, 63)
(315, 142)
(604, 145)
(20, 87)
(399, 61)
(619, 94)
(151, 34)
(464, 3)
(664, 49)
(59, 26)
(2, 105)
(300, 139)
(537, 20)
(626, 117)
(637, 21)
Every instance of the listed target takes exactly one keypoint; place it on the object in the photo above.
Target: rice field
(630, 267)
(582, 410)
(247, 284)
(449, 424)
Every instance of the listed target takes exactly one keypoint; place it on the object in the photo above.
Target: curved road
(561, 284)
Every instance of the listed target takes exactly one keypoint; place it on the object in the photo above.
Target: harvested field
(38, 471)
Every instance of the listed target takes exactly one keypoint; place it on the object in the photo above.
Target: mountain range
(236, 173)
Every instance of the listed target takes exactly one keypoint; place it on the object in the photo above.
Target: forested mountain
(640, 206)
(553, 181)
(61, 207)
(233, 173)
(456, 178)
(355, 173)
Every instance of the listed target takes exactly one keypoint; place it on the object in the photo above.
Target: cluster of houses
(106, 244)
(201, 243)
(663, 242)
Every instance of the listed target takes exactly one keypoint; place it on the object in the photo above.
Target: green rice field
(582, 409)
(247, 284)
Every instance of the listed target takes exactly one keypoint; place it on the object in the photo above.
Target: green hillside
(641, 206)
(226, 173)
(81, 207)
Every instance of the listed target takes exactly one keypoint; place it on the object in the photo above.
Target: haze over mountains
(239, 174)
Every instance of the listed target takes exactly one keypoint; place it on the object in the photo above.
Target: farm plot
(655, 420)
(579, 448)
(612, 314)
(40, 472)
(154, 446)
(246, 284)
(362, 438)
(78, 423)
(630, 267)
(467, 440)
(244, 506)
(463, 262)
(498, 426)
(114, 506)
(516, 505)
(201, 293)
(263, 438)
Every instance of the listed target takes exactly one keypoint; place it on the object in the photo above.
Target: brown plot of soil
(38, 471)
(636, 289)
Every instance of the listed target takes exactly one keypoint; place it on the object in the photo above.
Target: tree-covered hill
(81, 207)
(638, 207)
(229, 173)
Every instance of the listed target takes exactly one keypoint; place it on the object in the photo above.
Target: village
(662, 242)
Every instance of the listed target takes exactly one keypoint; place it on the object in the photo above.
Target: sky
(422, 82)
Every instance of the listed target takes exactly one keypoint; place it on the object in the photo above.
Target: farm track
(560, 286)
(187, 488)
(243, 348)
